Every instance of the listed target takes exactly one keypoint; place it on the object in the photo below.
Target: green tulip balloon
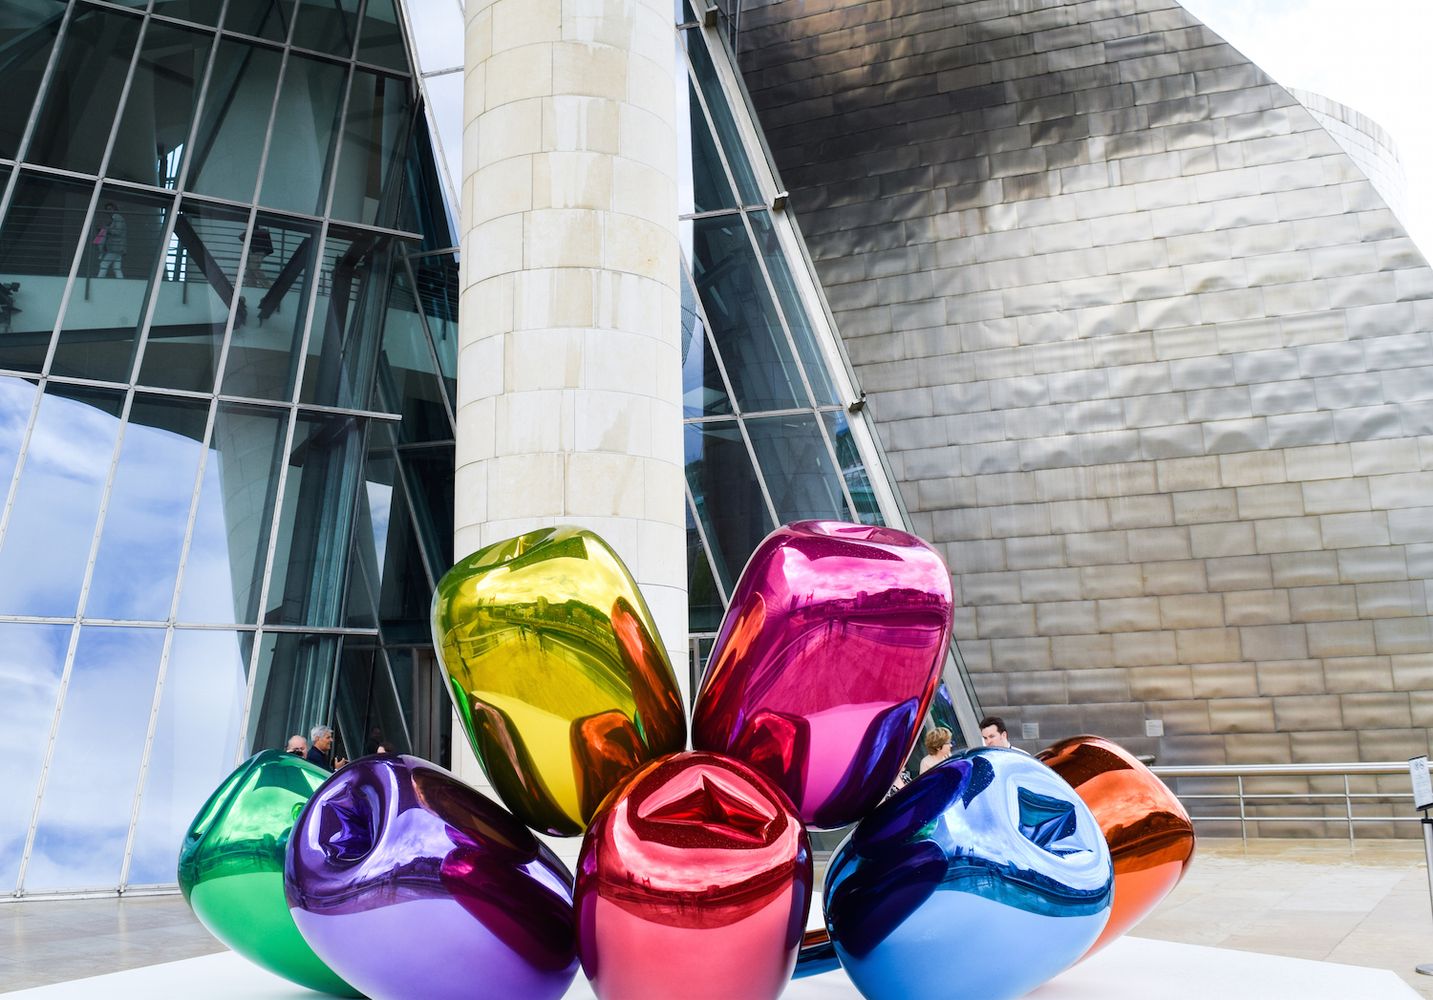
(231, 867)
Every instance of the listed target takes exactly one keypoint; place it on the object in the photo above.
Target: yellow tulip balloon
(557, 671)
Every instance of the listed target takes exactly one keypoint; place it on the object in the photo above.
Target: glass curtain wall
(774, 429)
(227, 305)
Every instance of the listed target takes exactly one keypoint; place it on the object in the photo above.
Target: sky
(1371, 55)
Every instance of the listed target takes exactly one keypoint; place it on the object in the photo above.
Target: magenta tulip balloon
(826, 662)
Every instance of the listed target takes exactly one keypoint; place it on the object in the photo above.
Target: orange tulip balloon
(1151, 837)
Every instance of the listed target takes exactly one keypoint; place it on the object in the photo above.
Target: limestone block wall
(569, 364)
(1150, 357)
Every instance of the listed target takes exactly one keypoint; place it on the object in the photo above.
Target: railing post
(1243, 823)
(1348, 809)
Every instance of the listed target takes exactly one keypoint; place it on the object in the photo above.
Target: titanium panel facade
(1150, 357)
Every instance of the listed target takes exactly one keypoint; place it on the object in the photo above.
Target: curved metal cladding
(414, 884)
(1150, 834)
(694, 882)
(826, 662)
(231, 867)
(557, 672)
(1149, 356)
(988, 860)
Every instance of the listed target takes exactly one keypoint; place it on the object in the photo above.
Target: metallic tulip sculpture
(557, 672)
(411, 883)
(826, 662)
(694, 881)
(984, 877)
(231, 867)
(1150, 835)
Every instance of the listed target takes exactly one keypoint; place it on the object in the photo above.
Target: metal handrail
(1245, 799)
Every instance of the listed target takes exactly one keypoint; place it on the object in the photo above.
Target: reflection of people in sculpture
(322, 739)
(112, 239)
(937, 748)
(298, 746)
(993, 732)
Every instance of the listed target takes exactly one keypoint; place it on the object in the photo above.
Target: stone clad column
(569, 381)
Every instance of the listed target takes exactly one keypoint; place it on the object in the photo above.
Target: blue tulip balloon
(984, 877)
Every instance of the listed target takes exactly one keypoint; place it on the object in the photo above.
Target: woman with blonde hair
(937, 748)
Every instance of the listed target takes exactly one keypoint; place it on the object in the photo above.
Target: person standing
(937, 748)
(298, 746)
(113, 242)
(321, 751)
(994, 734)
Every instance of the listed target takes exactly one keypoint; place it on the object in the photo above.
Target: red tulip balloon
(694, 881)
(826, 662)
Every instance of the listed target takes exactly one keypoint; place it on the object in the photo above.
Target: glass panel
(722, 118)
(196, 740)
(79, 104)
(374, 143)
(326, 26)
(367, 704)
(148, 510)
(727, 494)
(703, 392)
(230, 137)
(858, 482)
(27, 34)
(154, 130)
(342, 348)
(273, 304)
(48, 540)
(199, 11)
(410, 385)
(797, 467)
(406, 591)
(89, 789)
(32, 658)
(745, 324)
(305, 126)
(711, 190)
(704, 603)
(381, 42)
(444, 94)
(311, 556)
(264, 18)
(293, 678)
(225, 565)
(437, 281)
(201, 266)
(106, 310)
(44, 225)
(16, 398)
(428, 478)
(797, 320)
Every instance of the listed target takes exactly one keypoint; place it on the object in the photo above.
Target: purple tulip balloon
(415, 885)
(826, 662)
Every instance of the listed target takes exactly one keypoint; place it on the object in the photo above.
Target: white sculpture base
(1136, 968)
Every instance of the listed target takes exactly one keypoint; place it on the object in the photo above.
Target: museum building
(1073, 291)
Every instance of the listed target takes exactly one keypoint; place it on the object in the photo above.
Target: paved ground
(1304, 899)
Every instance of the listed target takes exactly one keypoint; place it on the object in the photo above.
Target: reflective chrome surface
(1150, 834)
(557, 672)
(231, 867)
(411, 883)
(1149, 356)
(694, 881)
(826, 662)
(985, 877)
